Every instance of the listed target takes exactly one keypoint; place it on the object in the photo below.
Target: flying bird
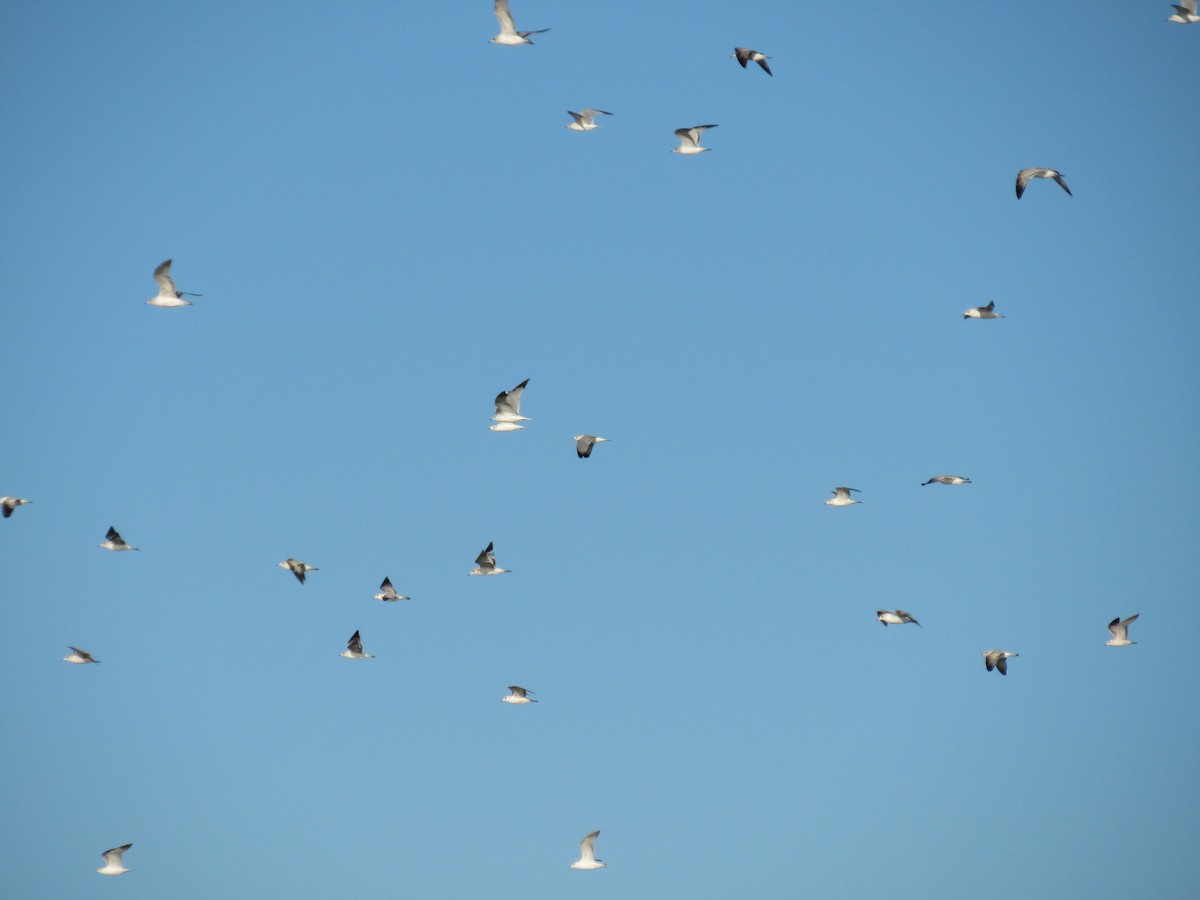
(518, 695)
(508, 409)
(354, 649)
(297, 568)
(998, 659)
(584, 444)
(167, 295)
(79, 657)
(509, 36)
(587, 854)
(112, 861)
(898, 617)
(585, 119)
(947, 479)
(744, 55)
(1025, 174)
(689, 140)
(1185, 13)
(841, 497)
(113, 541)
(387, 593)
(485, 563)
(8, 504)
(983, 312)
(1120, 632)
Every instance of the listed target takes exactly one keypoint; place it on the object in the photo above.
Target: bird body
(947, 479)
(584, 444)
(354, 648)
(1025, 174)
(983, 312)
(388, 594)
(79, 657)
(1120, 632)
(585, 119)
(587, 854)
(689, 140)
(518, 695)
(297, 568)
(113, 541)
(897, 617)
(744, 55)
(998, 659)
(1185, 13)
(113, 864)
(485, 563)
(8, 504)
(167, 294)
(841, 497)
(509, 36)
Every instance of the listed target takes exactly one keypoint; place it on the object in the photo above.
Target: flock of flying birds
(508, 418)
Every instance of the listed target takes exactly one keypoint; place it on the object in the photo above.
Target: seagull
(354, 649)
(297, 568)
(80, 657)
(387, 593)
(689, 140)
(983, 312)
(841, 497)
(1185, 13)
(114, 542)
(584, 444)
(899, 617)
(112, 861)
(1025, 174)
(1119, 629)
(998, 659)
(744, 55)
(585, 119)
(947, 479)
(8, 504)
(508, 409)
(167, 295)
(485, 563)
(509, 36)
(518, 695)
(587, 854)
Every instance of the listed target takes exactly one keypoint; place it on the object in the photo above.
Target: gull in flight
(113, 541)
(947, 479)
(585, 119)
(689, 140)
(983, 312)
(485, 563)
(584, 444)
(744, 55)
(1120, 632)
(841, 497)
(1025, 174)
(1185, 13)
(167, 295)
(297, 568)
(508, 409)
(354, 649)
(898, 617)
(509, 36)
(79, 657)
(587, 854)
(517, 695)
(387, 593)
(112, 861)
(8, 504)
(998, 659)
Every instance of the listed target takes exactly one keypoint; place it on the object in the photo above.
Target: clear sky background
(390, 224)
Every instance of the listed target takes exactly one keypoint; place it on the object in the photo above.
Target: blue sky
(389, 224)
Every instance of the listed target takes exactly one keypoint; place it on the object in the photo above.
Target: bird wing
(1062, 184)
(504, 16)
(113, 536)
(113, 856)
(387, 586)
(584, 445)
(742, 54)
(163, 276)
(587, 847)
(354, 645)
(763, 62)
(518, 691)
(1022, 180)
(82, 653)
(907, 617)
(486, 558)
(1002, 664)
(510, 401)
(991, 305)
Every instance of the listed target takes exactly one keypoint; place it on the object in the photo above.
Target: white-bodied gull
(896, 617)
(947, 479)
(388, 594)
(79, 657)
(841, 497)
(8, 504)
(1120, 632)
(689, 140)
(354, 648)
(998, 659)
(509, 36)
(585, 119)
(587, 854)
(1025, 174)
(517, 695)
(114, 541)
(167, 294)
(744, 55)
(485, 563)
(584, 444)
(297, 568)
(508, 409)
(113, 864)
(1185, 13)
(983, 312)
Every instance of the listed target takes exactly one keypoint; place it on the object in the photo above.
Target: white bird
(79, 657)
(485, 563)
(841, 497)
(998, 659)
(508, 409)
(113, 541)
(587, 854)
(585, 119)
(297, 568)
(112, 861)
(584, 444)
(1185, 13)
(8, 504)
(1120, 632)
(744, 55)
(354, 649)
(689, 140)
(509, 36)
(983, 312)
(387, 593)
(898, 617)
(947, 479)
(518, 695)
(167, 295)
(1025, 174)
